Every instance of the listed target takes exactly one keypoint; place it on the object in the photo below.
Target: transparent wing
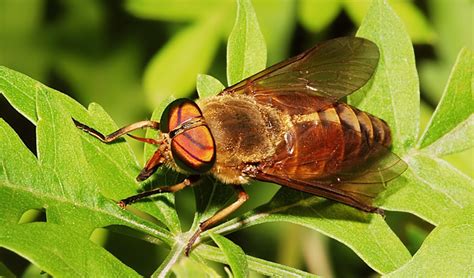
(336, 162)
(331, 69)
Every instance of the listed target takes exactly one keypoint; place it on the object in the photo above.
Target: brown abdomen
(373, 132)
(335, 139)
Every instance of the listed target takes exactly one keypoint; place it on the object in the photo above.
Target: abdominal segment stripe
(357, 132)
(329, 115)
(347, 116)
(371, 129)
(367, 131)
(349, 121)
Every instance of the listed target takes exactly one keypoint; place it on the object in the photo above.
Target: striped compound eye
(193, 146)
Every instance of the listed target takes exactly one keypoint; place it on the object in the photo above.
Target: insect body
(285, 125)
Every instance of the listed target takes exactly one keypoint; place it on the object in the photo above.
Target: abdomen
(326, 142)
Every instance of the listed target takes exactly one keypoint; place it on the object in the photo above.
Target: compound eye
(194, 150)
(177, 113)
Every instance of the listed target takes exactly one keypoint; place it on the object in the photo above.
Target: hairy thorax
(245, 132)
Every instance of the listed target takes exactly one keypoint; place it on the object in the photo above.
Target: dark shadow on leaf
(411, 229)
(33, 215)
(125, 243)
(15, 263)
(299, 204)
(212, 195)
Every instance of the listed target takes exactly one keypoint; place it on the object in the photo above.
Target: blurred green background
(128, 56)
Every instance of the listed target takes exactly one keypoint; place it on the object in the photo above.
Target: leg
(242, 197)
(152, 164)
(173, 188)
(146, 140)
(116, 134)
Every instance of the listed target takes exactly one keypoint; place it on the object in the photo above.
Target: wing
(331, 69)
(334, 161)
(356, 189)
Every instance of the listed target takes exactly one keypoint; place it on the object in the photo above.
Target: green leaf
(246, 50)
(72, 171)
(276, 32)
(457, 140)
(431, 189)
(20, 92)
(59, 251)
(393, 94)
(258, 265)
(120, 170)
(462, 160)
(72, 199)
(170, 71)
(416, 24)
(234, 255)
(446, 18)
(454, 111)
(173, 256)
(190, 268)
(208, 86)
(315, 15)
(367, 234)
(447, 251)
(5, 272)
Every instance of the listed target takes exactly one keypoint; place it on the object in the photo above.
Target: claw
(121, 204)
(192, 240)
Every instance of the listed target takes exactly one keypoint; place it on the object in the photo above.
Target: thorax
(245, 132)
